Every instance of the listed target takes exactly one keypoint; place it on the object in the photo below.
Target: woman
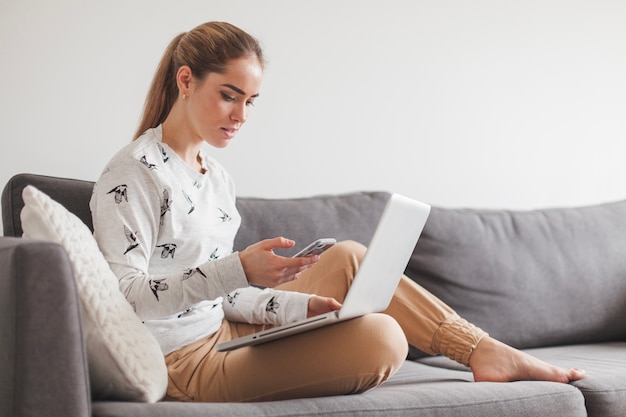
(165, 218)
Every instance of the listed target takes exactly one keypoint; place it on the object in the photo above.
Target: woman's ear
(183, 80)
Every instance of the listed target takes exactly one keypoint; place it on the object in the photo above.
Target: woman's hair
(205, 49)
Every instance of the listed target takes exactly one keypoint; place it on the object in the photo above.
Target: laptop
(376, 280)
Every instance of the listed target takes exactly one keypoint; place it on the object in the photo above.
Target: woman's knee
(348, 250)
(352, 247)
(384, 346)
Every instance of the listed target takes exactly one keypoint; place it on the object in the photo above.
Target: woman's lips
(229, 132)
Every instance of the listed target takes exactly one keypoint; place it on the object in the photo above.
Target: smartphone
(316, 247)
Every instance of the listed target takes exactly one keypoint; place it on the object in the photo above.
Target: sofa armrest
(43, 364)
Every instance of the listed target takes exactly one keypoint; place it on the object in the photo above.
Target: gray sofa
(552, 282)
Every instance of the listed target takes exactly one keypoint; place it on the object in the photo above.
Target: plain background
(483, 103)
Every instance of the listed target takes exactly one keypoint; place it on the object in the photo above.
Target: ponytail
(163, 91)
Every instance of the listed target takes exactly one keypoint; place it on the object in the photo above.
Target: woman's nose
(240, 113)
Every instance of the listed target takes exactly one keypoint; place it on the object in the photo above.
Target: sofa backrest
(350, 216)
(530, 278)
(71, 193)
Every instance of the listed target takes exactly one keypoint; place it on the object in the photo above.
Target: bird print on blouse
(157, 285)
(232, 298)
(191, 271)
(166, 205)
(144, 160)
(167, 250)
(120, 193)
(164, 154)
(132, 239)
(192, 206)
(224, 217)
(272, 306)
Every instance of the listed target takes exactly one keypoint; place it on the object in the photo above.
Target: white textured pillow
(125, 361)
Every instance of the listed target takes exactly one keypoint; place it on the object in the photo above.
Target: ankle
(457, 339)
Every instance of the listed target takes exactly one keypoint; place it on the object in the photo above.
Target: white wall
(485, 103)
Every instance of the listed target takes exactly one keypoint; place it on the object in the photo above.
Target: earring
(184, 96)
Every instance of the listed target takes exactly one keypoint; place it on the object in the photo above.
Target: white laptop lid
(386, 258)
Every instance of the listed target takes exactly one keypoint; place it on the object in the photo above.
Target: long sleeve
(265, 306)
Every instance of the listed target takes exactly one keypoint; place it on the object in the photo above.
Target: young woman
(165, 218)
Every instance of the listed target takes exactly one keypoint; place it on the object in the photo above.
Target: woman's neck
(177, 137)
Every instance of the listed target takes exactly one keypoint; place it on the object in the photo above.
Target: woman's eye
(250, 103)
(227, 97)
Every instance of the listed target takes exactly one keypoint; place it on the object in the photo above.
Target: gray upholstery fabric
(604, 386)
(530, 278)
(345, 217)
(416, 390)
(73, 194)
(42, 368)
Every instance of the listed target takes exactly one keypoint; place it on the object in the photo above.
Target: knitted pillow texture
(125, 361)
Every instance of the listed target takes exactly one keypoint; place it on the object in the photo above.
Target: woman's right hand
(322, 305)
(266, 269)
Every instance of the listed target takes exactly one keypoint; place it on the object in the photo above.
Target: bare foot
(494, 361)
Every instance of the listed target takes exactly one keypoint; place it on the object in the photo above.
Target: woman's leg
(346, 358)
(434, 327)
(429, 324)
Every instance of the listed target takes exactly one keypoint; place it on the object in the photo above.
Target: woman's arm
(128, 205)
(267, 306)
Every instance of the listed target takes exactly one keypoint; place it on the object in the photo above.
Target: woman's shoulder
(143, 157)
(138, 161)
(146, 150)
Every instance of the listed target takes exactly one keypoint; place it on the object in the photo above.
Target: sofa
(551, 282)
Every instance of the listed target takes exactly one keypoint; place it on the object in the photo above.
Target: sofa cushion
(530, 278)
(415, 390)
(125, 361)
(603, 387)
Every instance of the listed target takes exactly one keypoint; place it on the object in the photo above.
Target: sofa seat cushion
(604, 386)
(530, 278)
(416, 389)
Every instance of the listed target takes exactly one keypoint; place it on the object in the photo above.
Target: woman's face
(218, 106)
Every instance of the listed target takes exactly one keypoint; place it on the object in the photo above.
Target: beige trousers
(349, 357)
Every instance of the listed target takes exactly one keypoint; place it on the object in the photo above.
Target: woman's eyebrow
(238, 90)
